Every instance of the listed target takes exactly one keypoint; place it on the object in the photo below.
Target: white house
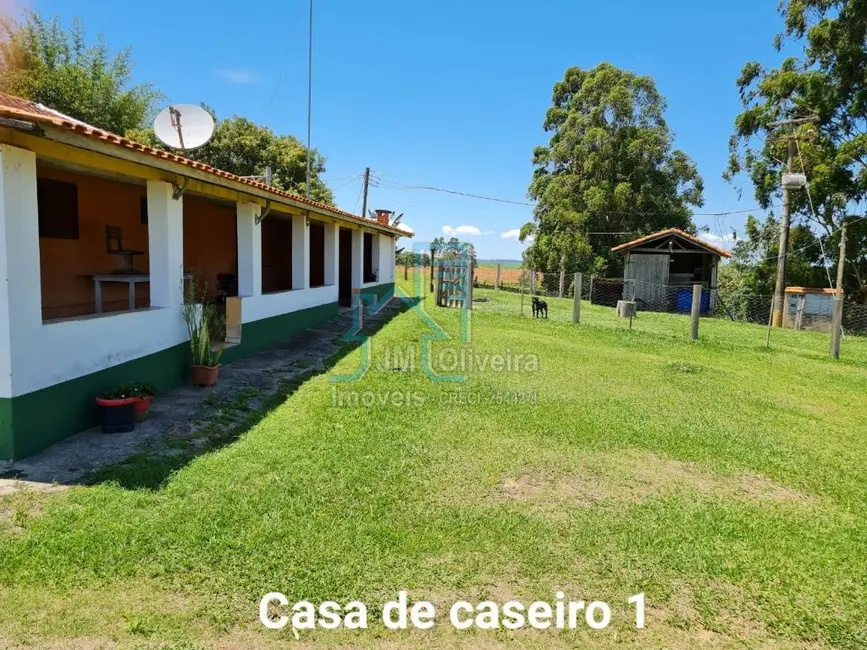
(97, 234)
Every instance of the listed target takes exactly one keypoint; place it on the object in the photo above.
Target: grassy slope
(725, 481)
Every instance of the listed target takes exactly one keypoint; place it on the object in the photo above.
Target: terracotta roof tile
(671, 231)
(22, 109)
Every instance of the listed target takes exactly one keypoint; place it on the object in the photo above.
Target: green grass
(726, 481)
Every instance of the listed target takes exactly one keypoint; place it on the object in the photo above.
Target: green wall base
(379, 290)
(30, 423)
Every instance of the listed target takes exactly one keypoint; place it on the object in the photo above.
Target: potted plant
(143, 393)
(118, 410)
(202, 318)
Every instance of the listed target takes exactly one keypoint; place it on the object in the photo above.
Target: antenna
(184, 126)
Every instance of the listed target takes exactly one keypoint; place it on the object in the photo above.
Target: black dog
(540, 308)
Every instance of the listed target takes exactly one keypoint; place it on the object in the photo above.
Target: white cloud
(725, 241)
(511, 234)
(466, 231)
(240, 76)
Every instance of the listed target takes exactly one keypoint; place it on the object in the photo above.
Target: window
(57, 203)
(143, 211)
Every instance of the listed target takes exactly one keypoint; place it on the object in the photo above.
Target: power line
(394, 185)
(285, 59)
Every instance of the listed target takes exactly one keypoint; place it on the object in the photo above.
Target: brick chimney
(383, 216)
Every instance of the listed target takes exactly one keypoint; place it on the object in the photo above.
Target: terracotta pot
(142, 406)
(205, 375)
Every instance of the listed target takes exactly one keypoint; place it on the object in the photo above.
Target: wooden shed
(660, 268)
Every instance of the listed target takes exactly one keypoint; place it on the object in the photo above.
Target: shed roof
(16, 108)
(676, 233)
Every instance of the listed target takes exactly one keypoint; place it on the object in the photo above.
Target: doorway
(344, 275)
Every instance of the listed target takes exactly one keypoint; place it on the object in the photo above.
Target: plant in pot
(143, 393)
(202, 319)
(117, 408)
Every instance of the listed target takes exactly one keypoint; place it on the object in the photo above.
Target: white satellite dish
(184, 126)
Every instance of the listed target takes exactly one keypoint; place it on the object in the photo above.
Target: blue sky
(450, 94)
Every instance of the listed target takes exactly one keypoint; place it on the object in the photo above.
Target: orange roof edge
(672, 231)
(812, 290)
(25, 110)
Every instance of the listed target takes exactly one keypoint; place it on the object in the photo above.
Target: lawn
(725, 481)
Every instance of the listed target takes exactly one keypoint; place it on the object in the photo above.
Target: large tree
(609, 168)
(44, 62)
(244, 148)
(827, 82)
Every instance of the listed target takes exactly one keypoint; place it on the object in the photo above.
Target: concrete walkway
(186, 413)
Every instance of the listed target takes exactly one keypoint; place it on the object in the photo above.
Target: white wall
(386, 258)
(255, 308)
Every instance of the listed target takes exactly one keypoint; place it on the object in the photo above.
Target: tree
(42, 61)
(435, 245)
(244, 148)
(609, 167)
(827, 83)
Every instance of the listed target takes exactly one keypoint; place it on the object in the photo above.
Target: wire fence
(552, 295)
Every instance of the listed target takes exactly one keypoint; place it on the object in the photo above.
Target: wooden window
(57, 203)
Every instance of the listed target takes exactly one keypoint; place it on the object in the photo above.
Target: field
(725, 481)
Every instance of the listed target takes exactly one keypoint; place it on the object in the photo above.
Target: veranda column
(300, 252)
(249, 250)
(165, 245)
(332, 255)
(357, 258)
(20, 279)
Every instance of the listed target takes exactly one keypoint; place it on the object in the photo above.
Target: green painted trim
(262, 334)
(379, 290)
(30, 423)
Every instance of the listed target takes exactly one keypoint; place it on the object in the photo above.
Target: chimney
(383, 216)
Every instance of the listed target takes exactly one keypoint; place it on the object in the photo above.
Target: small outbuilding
(661, 268)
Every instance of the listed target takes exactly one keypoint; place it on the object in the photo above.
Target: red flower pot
(205, 376)
(118, 415)
(142, 406)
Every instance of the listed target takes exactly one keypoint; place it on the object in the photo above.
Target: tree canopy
(42, 61)
(245, 148)
(609, 167)
(826, 83)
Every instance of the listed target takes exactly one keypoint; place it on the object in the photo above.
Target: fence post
(576, 309)
(497, 281)
(696, 310)
(799, 316)
(592, 277)
(562, 282)
(522, 292)
(438, 272)
(470, 282)
(405, 272)
(839, 297)
(532, 282)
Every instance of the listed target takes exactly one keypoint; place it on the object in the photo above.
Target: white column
(165, 245)
(357, 258)
(20, 278)
(332, 253)
(300, 252)
(386, 258)
(249, 250)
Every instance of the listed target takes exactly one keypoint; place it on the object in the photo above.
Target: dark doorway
(344, 279)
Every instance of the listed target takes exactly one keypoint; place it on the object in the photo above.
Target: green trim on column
(30, 423)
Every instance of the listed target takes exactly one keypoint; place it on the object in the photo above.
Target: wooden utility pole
(837, 318)
(782, 255)
(366, 185)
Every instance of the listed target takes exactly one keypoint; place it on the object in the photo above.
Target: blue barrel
(684, 301)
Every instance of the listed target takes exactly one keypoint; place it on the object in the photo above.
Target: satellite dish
(184, 126)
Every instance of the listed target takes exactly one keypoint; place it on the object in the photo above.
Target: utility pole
(366, 185)
(837, 317)
(782, 255)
